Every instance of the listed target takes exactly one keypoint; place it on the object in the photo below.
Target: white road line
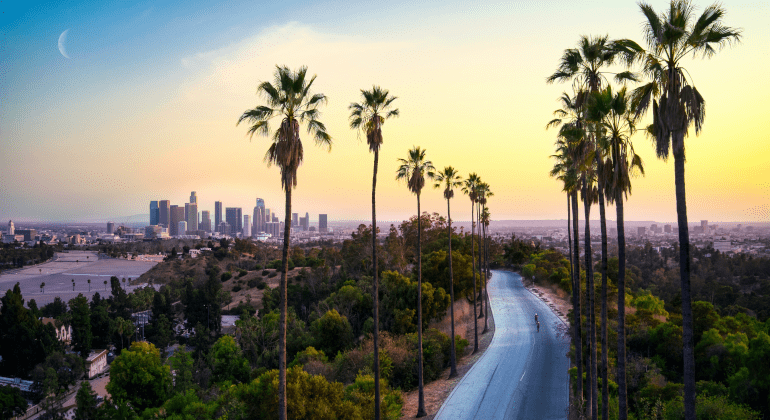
(522, 376)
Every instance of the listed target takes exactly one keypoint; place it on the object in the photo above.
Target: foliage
(12, 404)
(138, 377)
(81, 324)
(332, 332)
(227, 361)
(86, 402)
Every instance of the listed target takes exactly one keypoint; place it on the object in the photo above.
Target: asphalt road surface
(523, 374)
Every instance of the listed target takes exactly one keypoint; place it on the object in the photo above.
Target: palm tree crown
(371, 113)
(413, 170)
(289, 98)
(449, 179)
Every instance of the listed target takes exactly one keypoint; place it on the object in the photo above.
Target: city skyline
(181, 110)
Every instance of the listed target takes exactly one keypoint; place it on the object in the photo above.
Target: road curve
(523, 374)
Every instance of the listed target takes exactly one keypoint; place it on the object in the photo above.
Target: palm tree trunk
(481, 276)
(684, 273)
(282, 403)
(577, 339)
(483, 251)
(475, 297)
(603, 222)
(375, 293)
(591, 362)
(453, 355)
(621, 363)
(421, 403)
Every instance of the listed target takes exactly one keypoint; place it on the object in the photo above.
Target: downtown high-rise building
(294, 219)
(234, 218)
(177, 215)
(193, 198)
(154, 213)
(110, 228)
(164, 213)
(205, 224)
(258, 220)
(182, 228)
(322, 223)
(246, 226)
(191, 212)
(218, 215)
(306, 225)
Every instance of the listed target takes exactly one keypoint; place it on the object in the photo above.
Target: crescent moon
(62, 40)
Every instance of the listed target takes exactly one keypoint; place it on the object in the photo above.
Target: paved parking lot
(65, 267)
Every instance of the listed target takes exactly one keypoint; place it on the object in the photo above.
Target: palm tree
(585, 66)
(105, 285)
(368, 116)
(569, 151)
(676, 106)
(42, 287)
(449, 179)
(288, 98)
(89, 285)
(469, 188)
(73, 285)
(483, 193)
(413, 170)
(614, 115)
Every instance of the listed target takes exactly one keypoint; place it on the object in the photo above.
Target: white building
(723, 246)
(182, 227)
(11, 229)
(63, 333)
(246, 226)
(96, 363)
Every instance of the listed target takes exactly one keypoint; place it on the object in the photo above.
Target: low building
(96, 363)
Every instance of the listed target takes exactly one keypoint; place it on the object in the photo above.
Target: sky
(146, 105)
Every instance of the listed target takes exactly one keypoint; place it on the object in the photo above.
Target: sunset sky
(146, 106)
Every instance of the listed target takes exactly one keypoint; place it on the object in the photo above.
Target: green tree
(138, 377)
(26, 341)
(227, 361)
(289, 99)
(449, 179)
(181, 363)
(368, 117)
(54, 377)
(12, 404)
(676, 106)
(413, 170)
(332, 333)
(86, 402)
(80, 314)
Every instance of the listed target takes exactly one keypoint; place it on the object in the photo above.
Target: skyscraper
(154, 213)
(322, 227)
(294, 219)
(11, 228)
(234, 217)
(193, 198)
(182, 227)
(218, 215)
(177, 215)
(205, 221)
(191, 210)
(164, 213)
(246, 226)
(110, 227)
(259, 217)
(306, 226)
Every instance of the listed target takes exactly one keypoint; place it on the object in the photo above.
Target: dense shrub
(265, 272)
(242, 273)
(226, 276)
(236, 289)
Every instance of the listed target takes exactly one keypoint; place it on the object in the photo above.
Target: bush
(261, 285)
(253, 282)
(272, 274)
(711, 407)
(265, 272)
(242, 273)
(226, 276)
(236, 288)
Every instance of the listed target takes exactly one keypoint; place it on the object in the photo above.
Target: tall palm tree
(449, 179)
(413, 171)
(368, 117)
(288, 98)
(484, 192)
(570, 120)
(676, 106)
(89, 285)
(613, 113)
(469, 188)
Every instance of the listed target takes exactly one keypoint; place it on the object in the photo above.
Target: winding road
(523, 374)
